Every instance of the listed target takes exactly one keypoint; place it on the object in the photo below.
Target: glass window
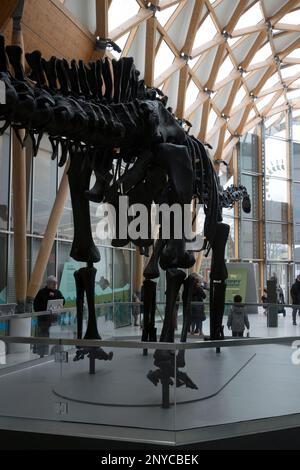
(281, 273)
(297, 242)
(50, 269)
(3, 267)
(65, 228)
(277, 241)
(276, 199)
(104, 276)
(29, 166)
(85, 12)
(44, 187)
(249, 240)
(248, 149)
(4, 179)
(296, 129)
(251, 184)
(229, 251)
(276, 158)
(66, 267)
(276, 127)
(122, 275)
(296, 162)
(295, 201)
(11, 278)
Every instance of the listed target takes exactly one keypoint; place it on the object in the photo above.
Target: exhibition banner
(236, 284)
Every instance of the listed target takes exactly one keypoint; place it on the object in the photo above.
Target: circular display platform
(123, 381)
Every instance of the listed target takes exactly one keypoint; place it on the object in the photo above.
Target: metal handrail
(88, 343)
(138, 304)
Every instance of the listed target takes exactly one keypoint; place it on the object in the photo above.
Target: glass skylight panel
(120, 11)
(291, 95)
(225, 69)
(296, 113)
(193, 62)
(211, 120)
(205, 33)
(269, 122)
(191, 94)
(251, 115)
(290, 71)
(164, 58)
(163, 16)
(232, 41)
(291, 18)
(262, 54)
(239, 97)
(260, 104)
(227, 135)
(250, 18)
(294, 55)
(280, 101)
(121, 43)
(271, 81)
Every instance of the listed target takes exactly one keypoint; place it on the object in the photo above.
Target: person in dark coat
(49, 292)
(197, 311)
(295, 294)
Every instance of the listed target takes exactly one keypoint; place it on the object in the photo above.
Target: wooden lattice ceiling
(225, 64)
(230, 60)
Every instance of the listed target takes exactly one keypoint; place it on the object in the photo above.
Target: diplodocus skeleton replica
(103, 119)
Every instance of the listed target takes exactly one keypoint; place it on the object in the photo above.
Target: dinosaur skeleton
(90, 111)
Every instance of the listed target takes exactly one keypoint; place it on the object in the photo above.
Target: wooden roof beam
(202, 97)
(287, 27)
(276, 110)
(143, 15)
(229, 146)
(249, 30)
(150, 50)
(218, 39)
(264, 111)
(193, 27)
(260, 65)
(163, 4)
(221, 141)
(176, 65)
(227, 108)
(251, 124)
(239, 10)
(244, 118)
(286, 8)
(252, 51)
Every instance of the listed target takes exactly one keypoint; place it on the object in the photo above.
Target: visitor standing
(295, 294)
(49, 292)
(238, 318)
(197, 310)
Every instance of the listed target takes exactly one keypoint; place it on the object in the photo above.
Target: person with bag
(197, 311)
(238, 318)
(49, 292)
